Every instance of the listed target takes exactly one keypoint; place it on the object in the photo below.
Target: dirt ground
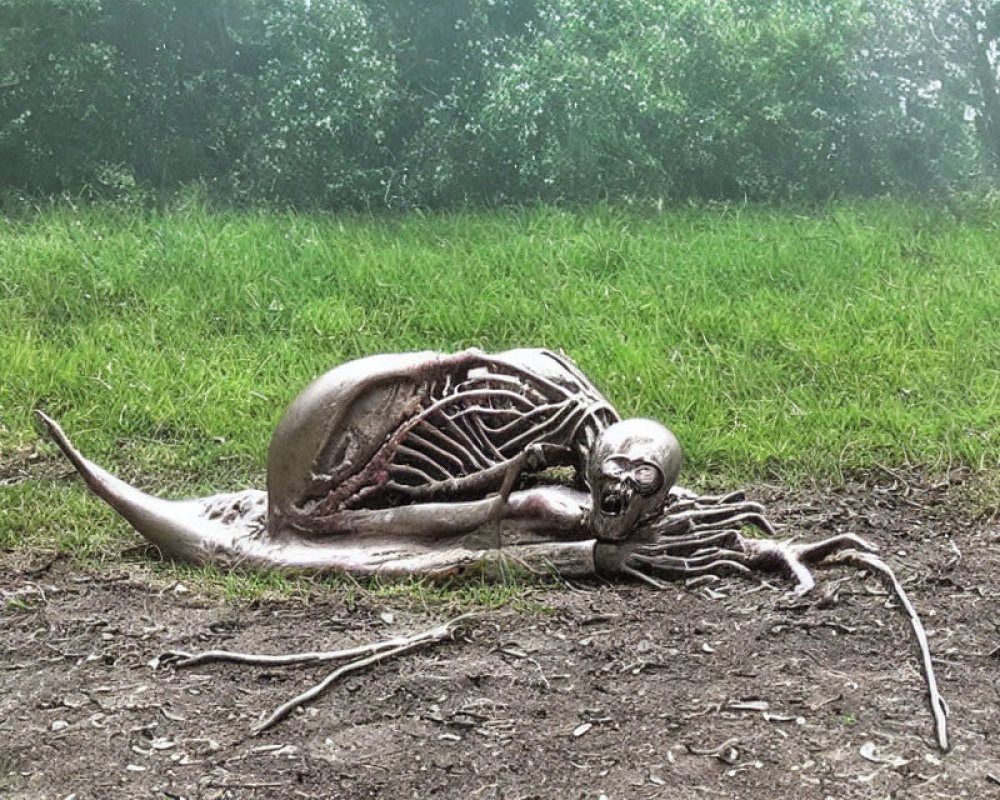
(730, 689)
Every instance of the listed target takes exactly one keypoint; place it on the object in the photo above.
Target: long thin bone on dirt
(378, 651)
(938, 706)
(184, 659)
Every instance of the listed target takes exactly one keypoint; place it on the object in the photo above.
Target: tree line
(435, 103)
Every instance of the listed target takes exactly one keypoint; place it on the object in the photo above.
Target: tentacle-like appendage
(768, 555)
(747, 519)
(814, 552)
(685, 545)
(712, 513)
(680, 494)
(710, 564)
(642, 577)
(694, 510)
(707, 544)
(868, 560)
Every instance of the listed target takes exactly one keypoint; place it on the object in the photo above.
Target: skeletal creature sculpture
(431, 464)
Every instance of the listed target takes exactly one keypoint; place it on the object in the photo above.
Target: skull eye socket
(648, 479)
(612, 469)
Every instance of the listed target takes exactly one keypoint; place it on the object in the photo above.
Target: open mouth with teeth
(613, 503)
(644, 481)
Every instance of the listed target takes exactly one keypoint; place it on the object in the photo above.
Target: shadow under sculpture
(432, 464)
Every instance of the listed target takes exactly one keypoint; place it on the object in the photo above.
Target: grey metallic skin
(632, 467)
(431, 463)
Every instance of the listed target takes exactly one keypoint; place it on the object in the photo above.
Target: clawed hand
(704, 536)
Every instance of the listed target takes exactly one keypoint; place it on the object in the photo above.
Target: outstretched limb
(704, 536)
(700, 535)
(938, 706)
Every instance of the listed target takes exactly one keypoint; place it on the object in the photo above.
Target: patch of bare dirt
(19, 464)
(730, 689)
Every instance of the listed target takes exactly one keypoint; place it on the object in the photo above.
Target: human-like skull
(632, 466)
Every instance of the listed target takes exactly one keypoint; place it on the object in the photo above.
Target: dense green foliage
(404, 103)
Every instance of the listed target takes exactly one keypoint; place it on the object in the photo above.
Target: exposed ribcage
(470, 429)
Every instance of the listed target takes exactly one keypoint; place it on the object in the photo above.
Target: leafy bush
(326, 95)
(405, 103)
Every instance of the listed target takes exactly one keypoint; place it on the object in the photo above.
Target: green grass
(775, 344)
(475, 592)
